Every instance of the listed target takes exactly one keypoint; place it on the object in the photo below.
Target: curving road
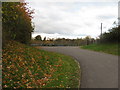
(99, 70)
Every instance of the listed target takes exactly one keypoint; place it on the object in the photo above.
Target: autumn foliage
(16, 22)
(28, 67)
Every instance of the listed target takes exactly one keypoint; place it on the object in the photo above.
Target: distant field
(29, 67)
(106, 48)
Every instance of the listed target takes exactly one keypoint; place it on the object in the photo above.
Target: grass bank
(28, 67)
(110, 48)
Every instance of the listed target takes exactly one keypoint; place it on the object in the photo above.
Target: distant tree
(44, 39)
(112, 35)
(38, 37)
(87, 38)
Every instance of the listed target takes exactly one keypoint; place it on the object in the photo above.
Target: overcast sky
(73, 19)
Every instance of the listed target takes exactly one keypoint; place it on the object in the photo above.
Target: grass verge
(110, 48)
(28, 67)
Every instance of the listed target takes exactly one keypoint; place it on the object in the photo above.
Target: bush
(111, 36)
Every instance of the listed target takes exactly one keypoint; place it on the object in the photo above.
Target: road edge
(79, 71)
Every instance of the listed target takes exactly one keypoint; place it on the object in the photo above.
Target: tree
(112, 35)
(38, 37)
(17, 24)
(87, 38)
(44, 39)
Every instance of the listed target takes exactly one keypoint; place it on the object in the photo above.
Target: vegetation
(63, 42)
(16, 22)
(38, 37)
(28, 67)
(112, 36)
(108, 43)
(111, 48)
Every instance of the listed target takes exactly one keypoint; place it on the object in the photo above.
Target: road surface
(99, 70)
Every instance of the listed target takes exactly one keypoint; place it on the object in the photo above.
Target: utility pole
(119, 13)
(101, 34)
(101, 29)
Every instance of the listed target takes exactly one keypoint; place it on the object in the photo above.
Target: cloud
(74, 0)
(73, 19)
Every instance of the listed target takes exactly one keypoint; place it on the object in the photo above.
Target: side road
(99, 70)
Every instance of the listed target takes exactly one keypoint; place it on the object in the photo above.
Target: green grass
(110, 48)
(29, 67)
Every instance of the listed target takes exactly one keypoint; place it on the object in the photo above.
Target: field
(29, 67)
(111, 48)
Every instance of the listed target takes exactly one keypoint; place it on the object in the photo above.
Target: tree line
(62, 41)
(112, 36)
(16, 22)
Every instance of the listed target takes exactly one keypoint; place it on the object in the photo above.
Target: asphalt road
(99, 70)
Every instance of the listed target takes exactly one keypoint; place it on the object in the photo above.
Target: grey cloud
(54, 18)
(88, 24)
(53, 29)
(106, 16)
